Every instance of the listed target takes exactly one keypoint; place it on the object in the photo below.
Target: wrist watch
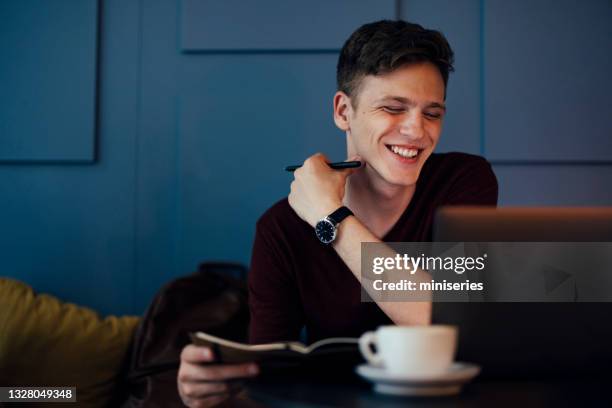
(327, 228)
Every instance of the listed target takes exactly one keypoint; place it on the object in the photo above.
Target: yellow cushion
(45, 342)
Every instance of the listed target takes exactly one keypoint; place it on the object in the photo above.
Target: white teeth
(404, 152)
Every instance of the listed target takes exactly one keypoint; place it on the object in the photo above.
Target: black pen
(337, 166)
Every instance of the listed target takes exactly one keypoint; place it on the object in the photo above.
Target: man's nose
(412, 125)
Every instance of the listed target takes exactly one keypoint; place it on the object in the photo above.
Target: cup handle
(365, 342)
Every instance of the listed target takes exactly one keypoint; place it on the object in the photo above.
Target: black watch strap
(341, 213)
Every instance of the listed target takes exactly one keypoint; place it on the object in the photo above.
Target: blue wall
(138, 138)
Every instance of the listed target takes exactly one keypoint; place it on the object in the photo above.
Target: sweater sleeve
(274, 301)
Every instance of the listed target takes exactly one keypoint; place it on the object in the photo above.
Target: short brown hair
(383, 46)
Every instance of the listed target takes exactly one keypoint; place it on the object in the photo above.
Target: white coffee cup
(411, 350)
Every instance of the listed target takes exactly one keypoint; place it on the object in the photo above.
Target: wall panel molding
(547, 86)
(48, 77)
(215, 25)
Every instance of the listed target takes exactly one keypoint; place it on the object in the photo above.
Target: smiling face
(395, 121)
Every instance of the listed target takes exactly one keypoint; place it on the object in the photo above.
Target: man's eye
(432, 115)
(392, 109)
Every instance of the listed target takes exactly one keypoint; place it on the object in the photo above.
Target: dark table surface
(305, 392)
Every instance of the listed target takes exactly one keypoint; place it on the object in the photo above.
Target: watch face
(326, 231)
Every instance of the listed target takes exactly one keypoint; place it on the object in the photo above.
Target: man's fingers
(196, 354)
(202, 385)
(319, 156)
(315, 158)
(209, 402)
(204, 389)
(227, 371)
(200, 373)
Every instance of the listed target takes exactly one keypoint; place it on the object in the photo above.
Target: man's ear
(342, 110)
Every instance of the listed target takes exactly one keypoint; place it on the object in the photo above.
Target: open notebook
(227, 351)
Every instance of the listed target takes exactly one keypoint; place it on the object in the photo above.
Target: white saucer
(447, 383)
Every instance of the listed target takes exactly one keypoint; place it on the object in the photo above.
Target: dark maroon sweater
(296, 281)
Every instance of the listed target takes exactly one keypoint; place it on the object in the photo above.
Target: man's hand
(317, 189)
(202, 385)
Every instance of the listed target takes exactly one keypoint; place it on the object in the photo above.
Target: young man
(392, 78)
